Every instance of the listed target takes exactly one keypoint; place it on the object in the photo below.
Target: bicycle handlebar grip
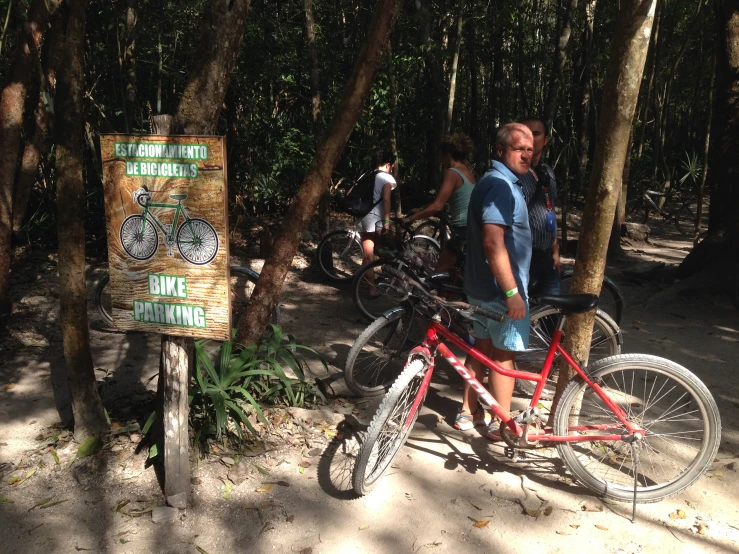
(490, 315)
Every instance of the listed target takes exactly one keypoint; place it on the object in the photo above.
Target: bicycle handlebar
(462, 307)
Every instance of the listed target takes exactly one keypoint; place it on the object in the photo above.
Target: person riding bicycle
(379, 217)
(456, 188)
(497, 270)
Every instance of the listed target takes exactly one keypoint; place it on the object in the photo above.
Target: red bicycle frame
(434, 341)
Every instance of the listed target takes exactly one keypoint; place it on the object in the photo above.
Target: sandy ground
(295, 497)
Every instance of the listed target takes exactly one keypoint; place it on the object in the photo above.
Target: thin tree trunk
(560, 59)
(453, 70)
(221, 33)
(12, 106)
(129, 65)
(582, 112)
(706, 150)
(89, 418)
(474, 123)
(653, 44)
(254, 321)
(614, 244)
(324, 206)
(620, 93)
(397, 200)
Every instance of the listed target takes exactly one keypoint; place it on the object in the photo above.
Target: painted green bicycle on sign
(195, 238)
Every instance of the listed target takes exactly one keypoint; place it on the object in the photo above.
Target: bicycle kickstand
(635, 455)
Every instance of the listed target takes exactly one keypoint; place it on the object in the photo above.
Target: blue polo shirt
(498, 198)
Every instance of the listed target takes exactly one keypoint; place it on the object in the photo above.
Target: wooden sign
(167, 219)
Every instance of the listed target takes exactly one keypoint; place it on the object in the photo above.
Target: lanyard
(544, 189)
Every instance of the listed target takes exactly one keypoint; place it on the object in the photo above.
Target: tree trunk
(129, 65)
(324, 206)
(254, 321)
(12, 105)
(614, 244)
(479, 157)
(89, 418)
(706, 151)
(582, 110)
(560, 59)
(453, 70)
(653, 47)
(221, 32)
(620, 92)
(397, 199)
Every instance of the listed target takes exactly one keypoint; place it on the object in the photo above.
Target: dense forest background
(453, 66)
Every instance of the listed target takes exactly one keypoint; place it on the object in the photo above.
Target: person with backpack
(456, 187)
(540, 190)
(378, 218)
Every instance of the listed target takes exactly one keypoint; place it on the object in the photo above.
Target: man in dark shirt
(540, 190)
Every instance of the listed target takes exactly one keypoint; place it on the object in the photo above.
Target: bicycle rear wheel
(611, 300)
(340, 255)
(375, 291)
(390, 427)
(681, 419)
(684, 220)
(378, 355)
(606, 342)
(431, 227)
(428, 251)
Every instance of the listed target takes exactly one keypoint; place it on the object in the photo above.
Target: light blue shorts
(510, 334)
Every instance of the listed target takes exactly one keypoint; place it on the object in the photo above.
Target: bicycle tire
(140, 245)
(431, 227)
(390, 291)
(611, 299)
(427, 249)
(700, 432)
(389, 423)
(684, 220)
(340, 269)
(378, 355)
(240, 294)
(201, 246)
(606, 342)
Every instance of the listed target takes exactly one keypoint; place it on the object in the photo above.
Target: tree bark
(129, 65)
(453, 69)
(619, 218)
(324, 206)
(479, 156)
(89, 418)
(620, 92)
(706, 152)
(12, 106)
(254, 321)
(560, 59)
(582, 111)
(221, 32)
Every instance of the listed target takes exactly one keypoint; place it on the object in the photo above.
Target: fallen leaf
(123, 541)
(89, 446)
(202, 551)
(601, 527)
(55, 456)
(265, 488)
(716, 474)
(548, 511)
(701, 528)
(6, 500)
(588, 506)
(301, 469)
(120, 506)
(262, 470)
(305, 463)
(249, 506)
(9, 387)
(691, 504)
(363, 527)
(566, 533)
(308, 550)
(127, 429)
(574, 526)
(53, 504)
(227, 490)
(41, 503)
(531, 512)
(228, 461)
(474, 505)
(678, 514)
(482, 523)
(432, 544)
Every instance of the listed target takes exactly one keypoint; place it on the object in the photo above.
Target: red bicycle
(631, 427)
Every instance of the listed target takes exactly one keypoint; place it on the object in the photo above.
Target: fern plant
(229, 384)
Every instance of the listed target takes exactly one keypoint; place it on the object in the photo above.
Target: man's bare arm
(493, 241)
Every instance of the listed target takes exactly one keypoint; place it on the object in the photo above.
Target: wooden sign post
(167, 221)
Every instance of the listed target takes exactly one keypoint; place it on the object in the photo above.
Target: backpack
(359, 201)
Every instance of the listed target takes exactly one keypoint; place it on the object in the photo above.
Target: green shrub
(228, 385)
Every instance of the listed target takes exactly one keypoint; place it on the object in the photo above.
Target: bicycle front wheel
(428, 251)
(139, 238)
(429, 228)
(606, 342)
(197, 241)
(611, 300)
(678, 413)
(340, 255)
(375, 291)
(390, 427)
(377, 357)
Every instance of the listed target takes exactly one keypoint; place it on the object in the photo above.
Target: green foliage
(228, 386)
